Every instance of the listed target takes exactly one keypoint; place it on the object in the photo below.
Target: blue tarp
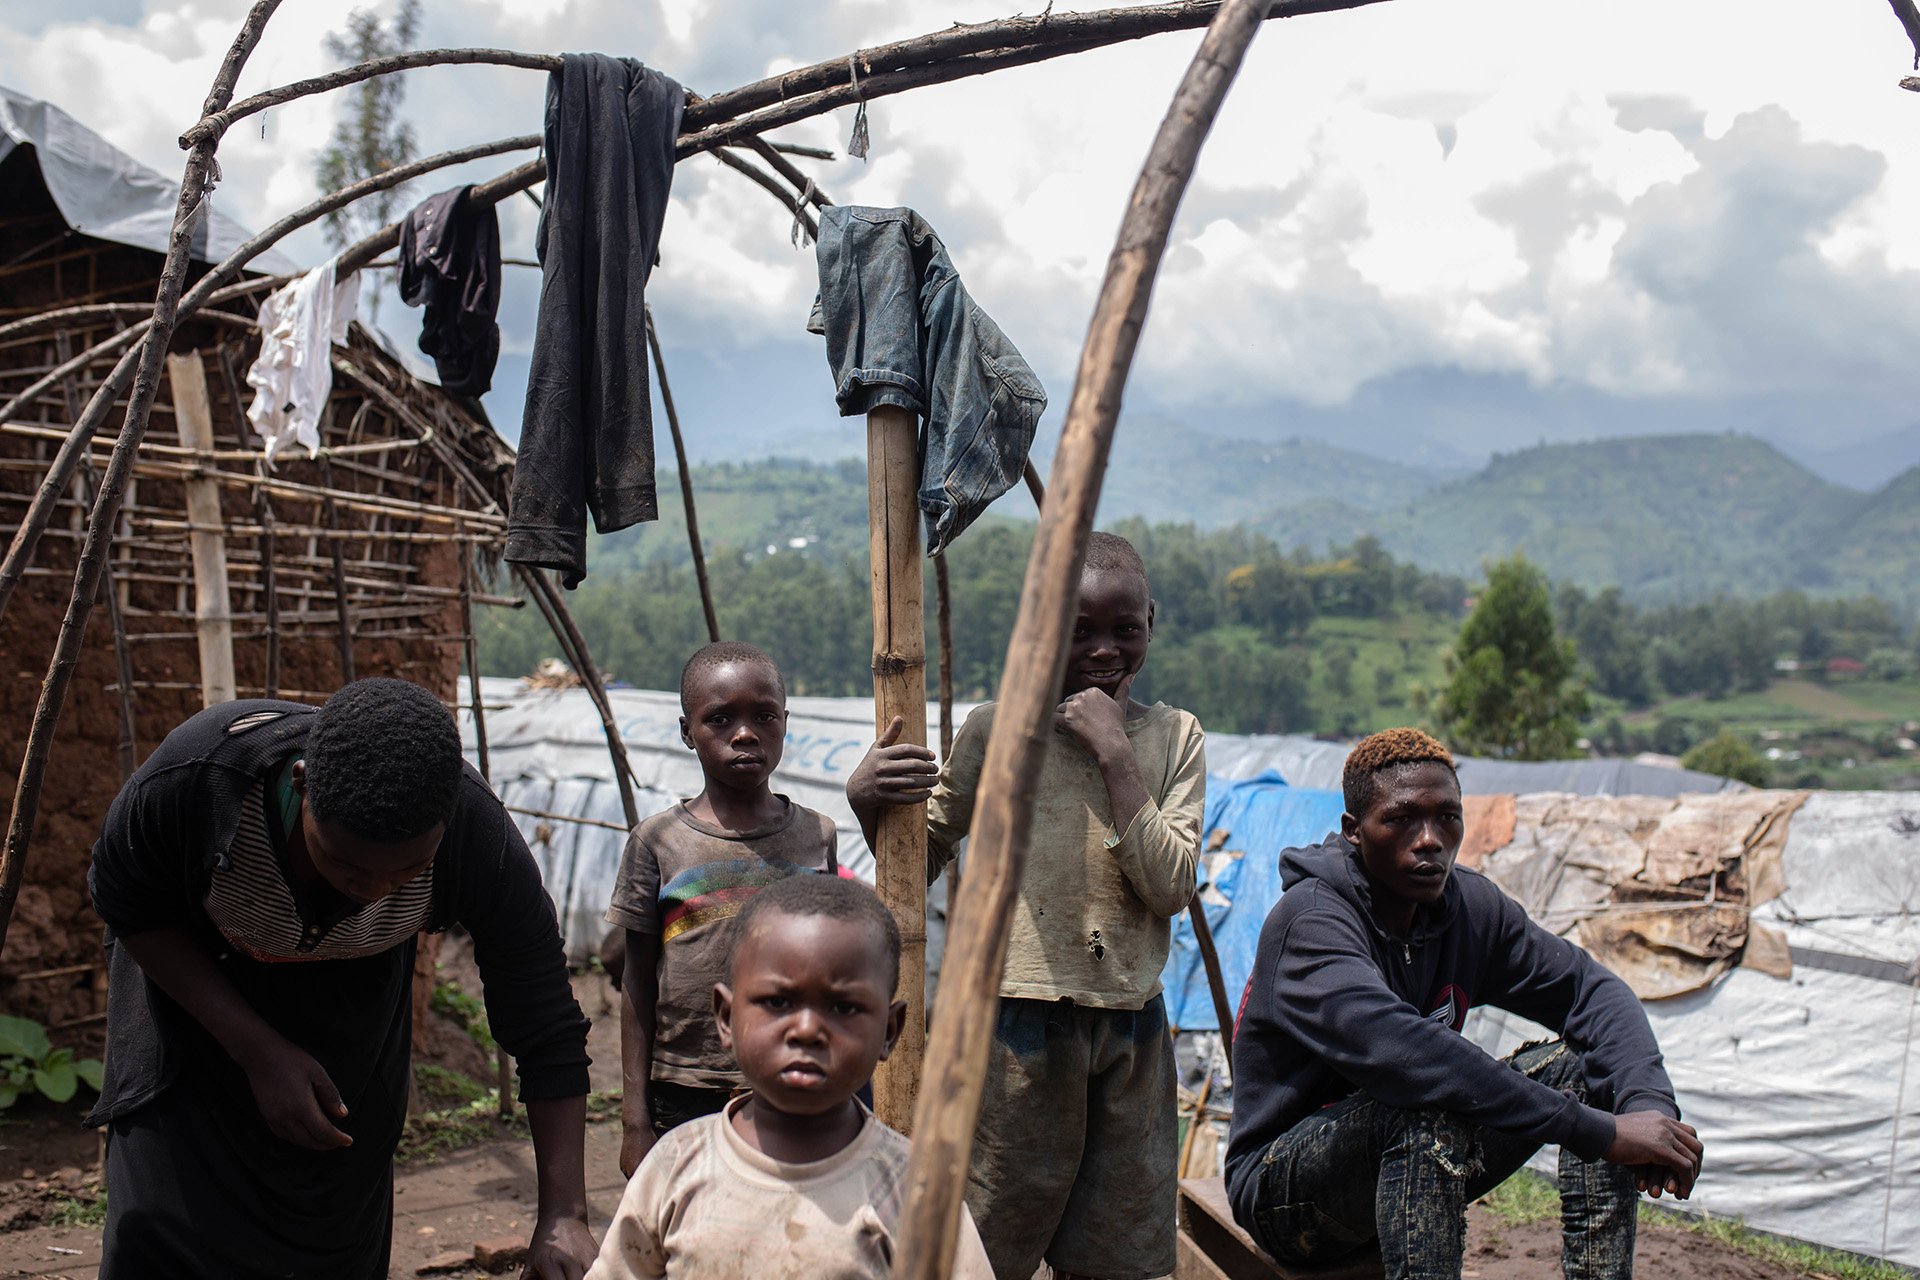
(1262, 817)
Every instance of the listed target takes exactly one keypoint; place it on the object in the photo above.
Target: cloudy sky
(1424, 229)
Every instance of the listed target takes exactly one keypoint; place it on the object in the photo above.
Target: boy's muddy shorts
(1074, 1157)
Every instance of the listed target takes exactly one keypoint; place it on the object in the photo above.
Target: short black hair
(1390, 749)
(1111, 553)
(719, 654)
(383, 761)
(822, 893)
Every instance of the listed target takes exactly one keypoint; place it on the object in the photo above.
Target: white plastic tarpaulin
(103, 192)
(548, 753)
(1806, 1089)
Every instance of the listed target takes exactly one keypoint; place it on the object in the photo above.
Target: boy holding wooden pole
(1074, 1157)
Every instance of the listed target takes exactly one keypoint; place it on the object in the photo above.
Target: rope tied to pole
(857, 145)
(800, 216)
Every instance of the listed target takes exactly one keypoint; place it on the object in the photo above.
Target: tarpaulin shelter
(1774, 935)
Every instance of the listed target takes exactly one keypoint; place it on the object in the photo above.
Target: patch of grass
(434, 1135)
(79, 1211)
(1525, 1197)
(459, 1112)
(1528, 1197)
(462, 1113)
(1824, 701)
(1807, 1259)
(441, 1088)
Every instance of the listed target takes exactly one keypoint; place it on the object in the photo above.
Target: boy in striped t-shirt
(686, 873)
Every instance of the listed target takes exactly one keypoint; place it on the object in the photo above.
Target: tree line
(1251, 638)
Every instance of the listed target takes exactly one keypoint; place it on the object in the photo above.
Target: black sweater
(174, 821)
(1336, 1005)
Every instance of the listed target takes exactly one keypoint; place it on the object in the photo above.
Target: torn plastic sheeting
(1664, 952)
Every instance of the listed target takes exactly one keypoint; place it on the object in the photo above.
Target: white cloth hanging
(291, 379)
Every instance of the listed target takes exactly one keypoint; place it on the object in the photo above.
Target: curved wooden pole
(959, 51)
(72, 317)
(554, 607)
(1104, 26)
(194, 189)
(795, 205)
(686, 484)
(122, 658)
(953, 54)
(1036, 655)
(214, 124)
(1216, 980)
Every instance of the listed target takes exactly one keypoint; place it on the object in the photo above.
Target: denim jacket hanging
(901, 329)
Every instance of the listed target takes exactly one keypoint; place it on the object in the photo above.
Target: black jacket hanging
(450, 262)
(586, 442)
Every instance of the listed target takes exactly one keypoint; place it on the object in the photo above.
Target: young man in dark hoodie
(1360, 1112)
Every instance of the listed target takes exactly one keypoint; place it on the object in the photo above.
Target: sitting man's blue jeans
(1359, 1171)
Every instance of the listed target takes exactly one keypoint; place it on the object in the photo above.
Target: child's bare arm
(294, 1094)
(639, 994)
(891, 773)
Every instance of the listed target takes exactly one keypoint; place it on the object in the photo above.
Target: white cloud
(1704, 199)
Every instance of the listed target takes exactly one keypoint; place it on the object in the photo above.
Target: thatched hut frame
(358, 562)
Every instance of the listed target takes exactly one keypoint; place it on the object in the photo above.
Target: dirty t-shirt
(704, 1203)
(1091, 922)
(684, 880)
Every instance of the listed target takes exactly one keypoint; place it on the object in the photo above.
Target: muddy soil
(1496, 1251)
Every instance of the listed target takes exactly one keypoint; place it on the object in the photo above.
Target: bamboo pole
(1216, 982)
(194, 189)
(1036, 655)
(686, 482)
(899, 689)
(212, 601)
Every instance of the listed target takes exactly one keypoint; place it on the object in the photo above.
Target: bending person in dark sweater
(1360, 1112)
(263, 878)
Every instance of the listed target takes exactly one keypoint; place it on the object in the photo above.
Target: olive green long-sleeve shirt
(1091, 922)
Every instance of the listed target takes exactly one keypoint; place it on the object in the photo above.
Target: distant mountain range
(1664, 517)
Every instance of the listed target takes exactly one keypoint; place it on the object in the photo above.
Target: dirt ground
(487, 1192)
(1496, 1251)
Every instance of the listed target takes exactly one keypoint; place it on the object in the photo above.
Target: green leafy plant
(30, 1064)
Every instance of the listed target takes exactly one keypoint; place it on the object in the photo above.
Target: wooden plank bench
(1212, 1246)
